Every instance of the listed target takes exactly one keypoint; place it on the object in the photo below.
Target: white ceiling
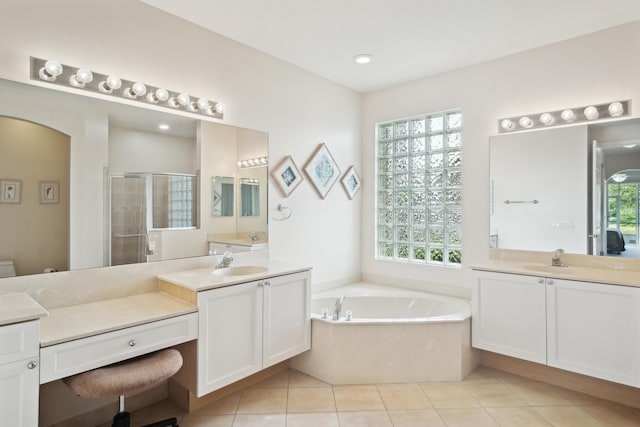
(409, 39)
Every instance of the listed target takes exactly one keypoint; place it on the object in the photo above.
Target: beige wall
(34, 235)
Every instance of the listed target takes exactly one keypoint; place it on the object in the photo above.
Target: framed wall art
(287, 176)
(10, 190)
(351, 182)
(49, 192)
(322, 170)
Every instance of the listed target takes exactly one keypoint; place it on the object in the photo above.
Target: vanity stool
(127, 377)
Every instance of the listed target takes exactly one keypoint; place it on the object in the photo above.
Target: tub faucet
(337, 308)
(226, 260)
(555, 258)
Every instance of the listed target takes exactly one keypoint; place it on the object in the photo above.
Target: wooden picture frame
(10, 191)
(49, 192)
(287, 176)
(351, 182)
(322, 170)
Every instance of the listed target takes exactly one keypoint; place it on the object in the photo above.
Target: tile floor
(486, 398)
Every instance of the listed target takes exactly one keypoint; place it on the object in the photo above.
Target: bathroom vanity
(248, 320)
(580, 319)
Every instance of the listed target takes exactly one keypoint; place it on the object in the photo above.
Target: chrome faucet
(226, 260)
(555, 258)
(254, 236)
(337, 308)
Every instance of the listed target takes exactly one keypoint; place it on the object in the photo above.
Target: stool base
(123, 419)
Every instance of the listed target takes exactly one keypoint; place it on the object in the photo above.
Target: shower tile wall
(128, 217)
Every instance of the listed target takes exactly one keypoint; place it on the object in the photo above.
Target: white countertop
(204, 279)
(612, 276)
(19, 307)
(83, 320)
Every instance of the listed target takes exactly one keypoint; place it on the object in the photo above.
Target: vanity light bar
(591, 113)
(82, 78)
(253, 163)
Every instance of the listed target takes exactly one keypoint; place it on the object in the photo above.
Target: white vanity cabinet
(250, 326)
(19, 374)
(594, 329)
(509, 315)
(588, 328)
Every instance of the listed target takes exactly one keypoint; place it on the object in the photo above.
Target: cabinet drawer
(69, 358)
(19, 341)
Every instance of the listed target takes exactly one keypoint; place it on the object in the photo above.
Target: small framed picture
(49, 192)
(322, 170)
(351, 182)
(287, 176)
(10, 190)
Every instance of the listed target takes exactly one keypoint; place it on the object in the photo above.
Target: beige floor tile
(416, 418)
(580, 399)
(403, 396)
(364, 419)
(482, 374)
(298, 379)
(311, 399)
(615, 415)
(540, 394)
(449, 395)
(280, 380)
(262, 420)
(319, 419)
(357, 398)
(494, 394)
(191, 420)
(518, 417)
(263, 401)
(467, 417)
(568, 416)
(226, 405)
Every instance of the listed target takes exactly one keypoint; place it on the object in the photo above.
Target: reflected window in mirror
(174, 201)
(249, 197)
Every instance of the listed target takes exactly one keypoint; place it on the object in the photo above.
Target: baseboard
(619, 393)
(189, 402)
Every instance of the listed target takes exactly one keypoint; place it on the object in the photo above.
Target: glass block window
(419, 189)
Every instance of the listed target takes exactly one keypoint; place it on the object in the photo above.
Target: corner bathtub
(394, 336)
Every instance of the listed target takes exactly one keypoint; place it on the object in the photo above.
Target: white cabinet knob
(267, 283)
(132, 343)
(549, 282)
(540, 281)
(32, 364)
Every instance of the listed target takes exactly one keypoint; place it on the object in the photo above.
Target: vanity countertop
(612, 276)
(206, 278)
(83, 320)
(19, 307)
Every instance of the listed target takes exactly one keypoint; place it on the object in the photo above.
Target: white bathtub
(395, 335)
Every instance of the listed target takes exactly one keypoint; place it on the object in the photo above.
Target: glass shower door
(128, 200)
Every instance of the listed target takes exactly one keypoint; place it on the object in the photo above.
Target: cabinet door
(19, 388)
(594, 329)
(230, 335)
(508, 315)
(287, 318)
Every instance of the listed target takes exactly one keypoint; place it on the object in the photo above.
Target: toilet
(7, 269)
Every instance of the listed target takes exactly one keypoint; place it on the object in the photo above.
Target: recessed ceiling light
(363, 58)
(163, 126)
(630, 146)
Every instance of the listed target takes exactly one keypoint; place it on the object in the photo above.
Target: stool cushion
(128, 376)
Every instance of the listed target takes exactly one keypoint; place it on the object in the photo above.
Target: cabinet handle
(261, 284)
(549, 282)
(132, 343)
(32, 364)
(267, 283)
(540, 281)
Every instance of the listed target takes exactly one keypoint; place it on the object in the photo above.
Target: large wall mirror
(96, 183)
(575, 188)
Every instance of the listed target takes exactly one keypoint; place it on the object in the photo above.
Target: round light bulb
(591, 113)
(507, 124)
(162, 94)
(219, 108)
(50, 71)
(81, 77)
(568, 116)
(110, 84)
(525, 122)
(183, 99)
(546, 119)
(616, 109)
(139, 89)
(192, 106)
(202, 103)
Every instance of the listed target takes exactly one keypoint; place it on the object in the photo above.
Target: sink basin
(240, 270)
